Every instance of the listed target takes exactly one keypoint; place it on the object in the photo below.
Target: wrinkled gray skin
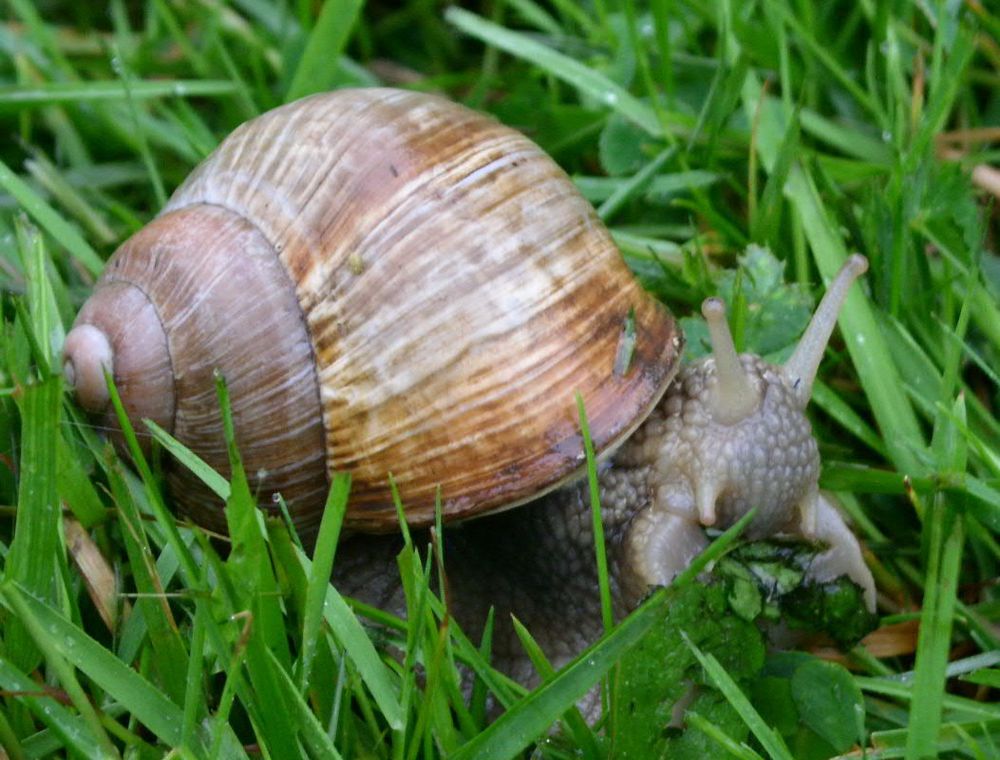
(681, 469)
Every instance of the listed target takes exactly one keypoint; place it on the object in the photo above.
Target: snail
(393, 283)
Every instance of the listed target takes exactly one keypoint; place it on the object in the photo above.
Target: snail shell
(390, 283)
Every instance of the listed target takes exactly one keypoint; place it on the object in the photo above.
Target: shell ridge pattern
(110, 276)
(525, 296)
(487, 397)
(557, 365)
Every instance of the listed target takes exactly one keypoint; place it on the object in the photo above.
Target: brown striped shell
(390, 283)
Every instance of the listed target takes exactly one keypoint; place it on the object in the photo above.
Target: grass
(696, 128)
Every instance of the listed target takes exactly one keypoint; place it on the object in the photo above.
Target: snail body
(392, 283)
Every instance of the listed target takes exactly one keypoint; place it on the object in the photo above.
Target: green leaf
(777, 312)
(660, 670)
(772, 696)
(836, 608)
(623, 147)
(829, 702)
(771, 741)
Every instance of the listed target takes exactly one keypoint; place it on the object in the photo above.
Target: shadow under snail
(391, 282)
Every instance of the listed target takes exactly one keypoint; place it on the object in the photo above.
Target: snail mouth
(118, 333)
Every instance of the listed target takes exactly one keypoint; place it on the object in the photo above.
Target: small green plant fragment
(836, 608)
(623, 147)
(778, 569)
(626, 345)
(985, 677)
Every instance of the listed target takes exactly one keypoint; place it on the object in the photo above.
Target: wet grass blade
(769, 739)
(50, 93)
(190, 461)
(318, 67)
(944, 527)
(319, 575)
(32, 560)
(69, 728)
(50, 221)
(352, 637)
(586, 79)
(62, 638)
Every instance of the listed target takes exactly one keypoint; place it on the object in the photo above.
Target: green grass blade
(50, 221)
(573, 719)
(167, 646)
(864, 339)
(734, 748)
(190, 461)
(75, 487)
(194, 701)
(352, 637)
(945, 529)
(957, 708)
(636, 184)
(595, 513)
(322, 566)
(70, 728)
(33, 556)
(17, 97)
(313, 734)
(164, 518)
(584, 78)
(318, 67)
(825, 398)
(823, 55)
(530, 717)
(149, 705)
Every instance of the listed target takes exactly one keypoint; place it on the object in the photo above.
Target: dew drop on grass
(611, 98)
